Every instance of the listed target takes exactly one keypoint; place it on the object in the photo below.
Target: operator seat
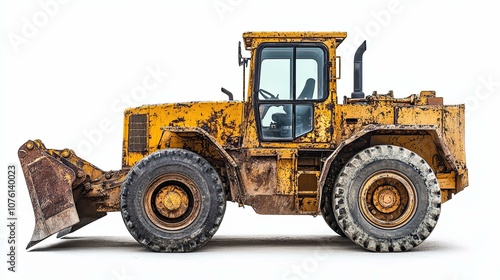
(307, 92)
(285, 119)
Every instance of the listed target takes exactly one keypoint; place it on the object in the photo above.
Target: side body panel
(221, 120)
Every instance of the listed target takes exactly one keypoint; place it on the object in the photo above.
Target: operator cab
(292, 88)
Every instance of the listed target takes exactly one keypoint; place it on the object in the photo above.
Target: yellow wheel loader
(376, 167)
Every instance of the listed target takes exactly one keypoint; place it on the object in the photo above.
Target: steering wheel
(267, 95)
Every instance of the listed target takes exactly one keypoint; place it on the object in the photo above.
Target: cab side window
(290, 80)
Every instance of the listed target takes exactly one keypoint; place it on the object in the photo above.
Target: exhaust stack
(358, 72)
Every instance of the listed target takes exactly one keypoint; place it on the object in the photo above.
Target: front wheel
(172, 201)
(387, 198)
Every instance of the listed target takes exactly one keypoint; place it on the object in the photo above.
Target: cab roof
(307, 36)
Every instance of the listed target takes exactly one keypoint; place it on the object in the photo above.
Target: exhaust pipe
(358, 72)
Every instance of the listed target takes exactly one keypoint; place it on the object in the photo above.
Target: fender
(231, 165)
(433, 130)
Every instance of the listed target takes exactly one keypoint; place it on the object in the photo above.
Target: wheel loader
(376, 167)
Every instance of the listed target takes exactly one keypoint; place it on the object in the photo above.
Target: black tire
(172, 201)
(327, 210)
(387, 199)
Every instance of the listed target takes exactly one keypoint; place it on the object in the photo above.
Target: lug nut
(29, 145)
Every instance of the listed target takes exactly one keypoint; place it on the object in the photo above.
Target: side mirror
(241, 60)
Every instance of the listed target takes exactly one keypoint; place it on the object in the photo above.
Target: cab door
(292, 112)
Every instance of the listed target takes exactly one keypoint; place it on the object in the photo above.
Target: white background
(67, 69)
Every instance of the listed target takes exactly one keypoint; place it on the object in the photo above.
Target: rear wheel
(327, 210)
(172, 201)
(387, 199)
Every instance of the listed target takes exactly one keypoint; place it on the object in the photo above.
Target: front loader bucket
(49, 183)
(58, 183)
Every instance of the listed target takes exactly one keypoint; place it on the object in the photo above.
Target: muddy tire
(172, 201)
(327, 210)
(387, 199)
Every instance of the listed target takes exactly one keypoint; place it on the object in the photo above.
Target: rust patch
(183, 105)
(49, 185)
(435, 101)
(259, 175)
(52, 184)
(273, 204)
(177, 121)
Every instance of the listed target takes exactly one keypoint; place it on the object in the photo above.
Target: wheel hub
(172, 201)
(388, 199)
